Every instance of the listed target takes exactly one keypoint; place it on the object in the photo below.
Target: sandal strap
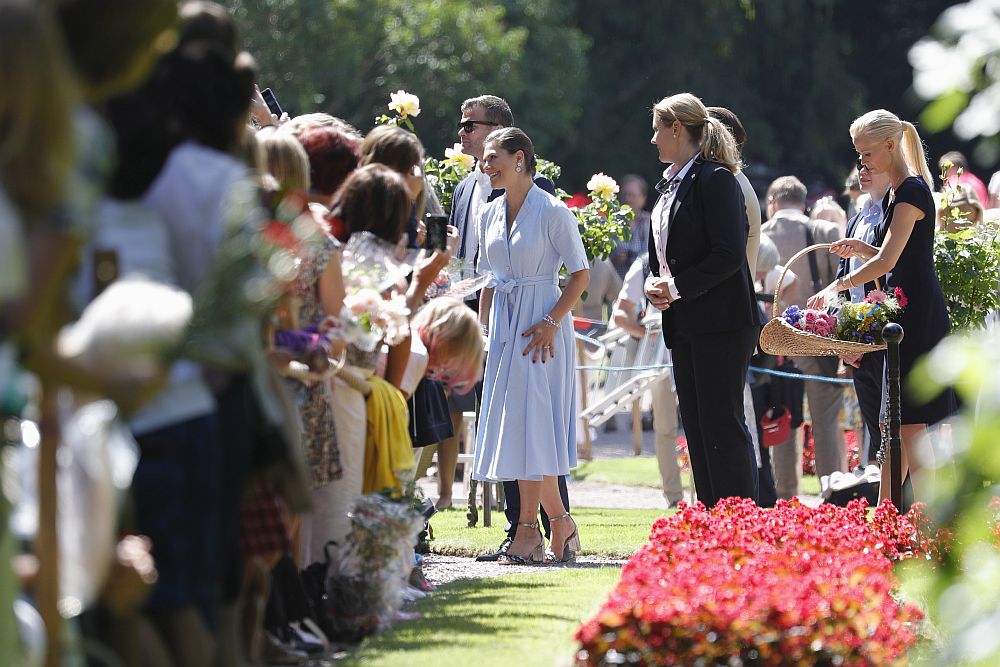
(560, 517)
(531, 526)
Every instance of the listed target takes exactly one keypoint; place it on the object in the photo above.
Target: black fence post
(893, 335)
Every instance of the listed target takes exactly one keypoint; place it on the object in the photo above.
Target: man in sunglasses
(480, 116)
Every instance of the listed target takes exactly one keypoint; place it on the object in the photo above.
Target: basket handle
(788, 265)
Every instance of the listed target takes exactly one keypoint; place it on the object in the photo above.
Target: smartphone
(271, 102)
(437, 232)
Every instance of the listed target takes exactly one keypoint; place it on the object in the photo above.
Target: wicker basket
(780, 338)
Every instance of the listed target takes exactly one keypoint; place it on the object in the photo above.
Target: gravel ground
(444, 569)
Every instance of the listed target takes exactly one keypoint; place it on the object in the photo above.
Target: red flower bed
(749, 586)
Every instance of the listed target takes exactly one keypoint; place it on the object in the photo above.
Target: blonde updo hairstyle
(446, 325)
(711, 135)
(882, 125)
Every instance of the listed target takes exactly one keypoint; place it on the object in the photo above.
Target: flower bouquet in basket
(863, 322)
(811, 333)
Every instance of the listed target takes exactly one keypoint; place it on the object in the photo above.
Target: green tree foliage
(345, 57)
(582, 75)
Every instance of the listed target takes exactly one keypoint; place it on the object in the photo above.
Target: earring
(518, 168)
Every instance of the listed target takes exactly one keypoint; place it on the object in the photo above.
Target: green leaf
(941, 113)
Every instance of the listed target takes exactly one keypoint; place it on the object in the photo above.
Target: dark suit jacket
(461, 205)
(707, 253)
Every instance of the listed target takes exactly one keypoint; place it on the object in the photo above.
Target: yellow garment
(388, 448)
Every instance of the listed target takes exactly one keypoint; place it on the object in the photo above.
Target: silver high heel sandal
(570, 548)
(537, 555)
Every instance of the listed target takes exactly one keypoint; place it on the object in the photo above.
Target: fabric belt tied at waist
(502, 289)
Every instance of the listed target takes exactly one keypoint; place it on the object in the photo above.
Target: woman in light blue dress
(526, 426)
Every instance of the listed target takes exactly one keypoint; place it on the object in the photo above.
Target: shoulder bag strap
(813, 266)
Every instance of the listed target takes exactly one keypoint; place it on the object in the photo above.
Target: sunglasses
(470, 125)
(861, 165)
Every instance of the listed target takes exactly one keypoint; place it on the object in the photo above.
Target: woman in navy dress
(885, 144)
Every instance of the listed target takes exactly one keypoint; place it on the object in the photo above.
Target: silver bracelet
(485, 329)
(548, 320)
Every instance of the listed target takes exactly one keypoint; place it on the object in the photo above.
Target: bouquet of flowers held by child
(860, 322)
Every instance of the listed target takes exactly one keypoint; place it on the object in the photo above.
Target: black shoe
(502, 551)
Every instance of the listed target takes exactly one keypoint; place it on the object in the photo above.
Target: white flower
(365, 300)
(602, 186)
(456, 156)
(404, 104)
(393, 318)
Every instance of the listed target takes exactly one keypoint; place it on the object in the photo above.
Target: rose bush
(749, 586)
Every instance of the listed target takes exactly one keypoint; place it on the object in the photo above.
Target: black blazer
(461, 202)
(707, 253)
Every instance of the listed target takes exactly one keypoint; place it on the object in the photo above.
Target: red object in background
(776, 426)
(581, 324)
(578, 200)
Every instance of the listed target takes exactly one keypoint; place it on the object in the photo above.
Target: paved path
(444, 569)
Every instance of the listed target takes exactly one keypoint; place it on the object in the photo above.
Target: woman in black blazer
(700, 281)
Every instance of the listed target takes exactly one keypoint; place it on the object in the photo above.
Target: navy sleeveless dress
(925, 319)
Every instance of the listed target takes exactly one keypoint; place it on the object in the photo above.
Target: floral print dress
(319, 437)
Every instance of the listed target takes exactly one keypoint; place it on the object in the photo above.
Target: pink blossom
(900, 297)
(875, 296)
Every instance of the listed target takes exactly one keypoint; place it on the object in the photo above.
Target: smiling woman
(526, 427)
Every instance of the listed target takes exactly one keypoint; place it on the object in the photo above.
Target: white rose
(455, 155)
(602, 186)
(404, 104)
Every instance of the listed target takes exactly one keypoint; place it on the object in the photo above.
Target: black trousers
(868, 387)
(710, 372)
(512, 506)
(767, 493)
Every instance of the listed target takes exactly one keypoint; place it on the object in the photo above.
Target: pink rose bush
(741, 585)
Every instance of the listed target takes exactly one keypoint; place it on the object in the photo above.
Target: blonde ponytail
(718, 145)
(714, 138)
(913, 152)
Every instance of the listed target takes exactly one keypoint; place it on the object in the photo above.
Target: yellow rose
(456, 156)
(404, 104)
(602, 186)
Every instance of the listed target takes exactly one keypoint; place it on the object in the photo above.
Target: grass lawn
(612, 533)
(643, 471)
(522, 620)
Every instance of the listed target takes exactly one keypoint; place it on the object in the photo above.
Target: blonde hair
(446, 324)
(882, 125)
(36, 131)
(827, 208)
(712, 136)
(285, 159)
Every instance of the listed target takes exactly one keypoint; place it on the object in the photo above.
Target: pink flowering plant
(742, 585)
(863, 322)
(811, 321)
